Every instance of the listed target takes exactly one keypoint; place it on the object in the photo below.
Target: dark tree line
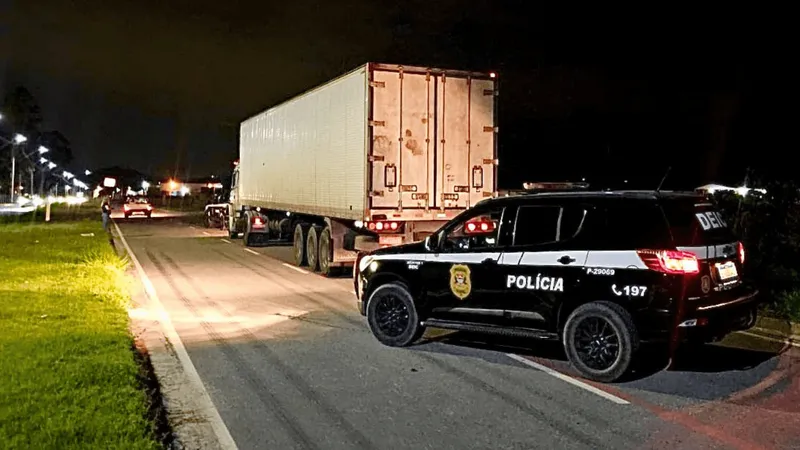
(769, 226)
(22, 114)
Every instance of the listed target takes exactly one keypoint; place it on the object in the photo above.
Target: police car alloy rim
(392, 316)
(597, 343)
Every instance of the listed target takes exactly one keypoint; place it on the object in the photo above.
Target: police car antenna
(658, 189)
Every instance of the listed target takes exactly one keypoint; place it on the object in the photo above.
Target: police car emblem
(460, 283)
(705, 284)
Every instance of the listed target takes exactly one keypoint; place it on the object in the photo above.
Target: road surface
(290, 364)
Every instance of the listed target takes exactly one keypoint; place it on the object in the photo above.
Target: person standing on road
(106, 208)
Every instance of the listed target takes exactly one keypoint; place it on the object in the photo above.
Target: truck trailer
(381, 156)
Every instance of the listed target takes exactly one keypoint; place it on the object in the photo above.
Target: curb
(778, 327)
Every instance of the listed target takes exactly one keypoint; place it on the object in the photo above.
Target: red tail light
(257, 222)
(383, 226)
(741, 253)
(479, 227)
(670, 261)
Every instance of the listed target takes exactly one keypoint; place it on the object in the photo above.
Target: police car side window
(637, 226)
(536, 225)
(475, 232)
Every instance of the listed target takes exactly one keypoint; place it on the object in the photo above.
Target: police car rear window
(696, 222)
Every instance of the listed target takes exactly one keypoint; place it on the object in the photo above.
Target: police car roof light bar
(672, 262)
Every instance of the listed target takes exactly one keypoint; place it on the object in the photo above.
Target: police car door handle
(566, 259)
(489, 261)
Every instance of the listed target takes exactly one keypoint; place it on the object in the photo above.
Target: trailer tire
(299, 244)
(312, 247)
(325, 253)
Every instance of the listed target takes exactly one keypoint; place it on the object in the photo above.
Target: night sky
(162, 85)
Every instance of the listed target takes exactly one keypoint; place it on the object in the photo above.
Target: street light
(51, 165)
(19, 139)
(87, 172)
(42, 160)
(68, 175)
(43, 149)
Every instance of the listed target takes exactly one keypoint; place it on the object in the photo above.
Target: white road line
(297, 269)
(251, 251)
(226, 241)
(782, 341)
(568, 379)
(213, 416)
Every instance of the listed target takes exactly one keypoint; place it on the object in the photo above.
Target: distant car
(138, 205)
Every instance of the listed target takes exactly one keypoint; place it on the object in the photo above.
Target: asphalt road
(289, 363)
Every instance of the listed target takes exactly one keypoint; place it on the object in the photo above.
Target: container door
(465, 136)
(416, 141)
(385, 124)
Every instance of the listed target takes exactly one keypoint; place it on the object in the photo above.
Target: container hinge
(373, 158)
(488, 92)
(377, 123)
(376, 194)
(490, 129)
(377, 84)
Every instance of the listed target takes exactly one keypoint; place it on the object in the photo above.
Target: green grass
(69, 378)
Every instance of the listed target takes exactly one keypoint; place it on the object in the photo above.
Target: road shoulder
(194, 420)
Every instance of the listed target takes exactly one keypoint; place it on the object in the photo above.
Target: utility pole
(13, 172)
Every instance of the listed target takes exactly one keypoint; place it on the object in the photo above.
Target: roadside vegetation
(770, 228)
(70, 378)
(59, 212)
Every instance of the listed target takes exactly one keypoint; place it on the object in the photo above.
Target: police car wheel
(600, 340)
(392, 316)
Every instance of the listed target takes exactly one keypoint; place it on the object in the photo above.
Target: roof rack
(554, 186)
(545, 186)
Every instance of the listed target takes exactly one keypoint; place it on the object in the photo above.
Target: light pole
(18, 139)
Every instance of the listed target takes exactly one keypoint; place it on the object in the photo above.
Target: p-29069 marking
(599, 271)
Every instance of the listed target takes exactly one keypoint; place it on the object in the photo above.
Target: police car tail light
(384, 226)
(741, 253)
(670, 261)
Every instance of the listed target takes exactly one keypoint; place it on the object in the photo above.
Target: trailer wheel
(299, 244)
(325, 252)
(312, 247)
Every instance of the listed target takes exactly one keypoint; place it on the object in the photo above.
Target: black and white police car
(600, 271)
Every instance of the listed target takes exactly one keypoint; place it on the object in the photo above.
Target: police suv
(600, 271)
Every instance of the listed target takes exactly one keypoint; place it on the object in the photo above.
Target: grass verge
(69, 378)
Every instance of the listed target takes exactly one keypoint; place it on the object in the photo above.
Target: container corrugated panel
(309, 155)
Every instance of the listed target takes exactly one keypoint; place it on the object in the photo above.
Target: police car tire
(415, 329)
(623, 325)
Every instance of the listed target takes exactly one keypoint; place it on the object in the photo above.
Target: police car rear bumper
(717, 319)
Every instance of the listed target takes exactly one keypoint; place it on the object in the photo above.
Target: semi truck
(380, 156)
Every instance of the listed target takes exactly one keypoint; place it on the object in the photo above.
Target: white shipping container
(408, 143)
